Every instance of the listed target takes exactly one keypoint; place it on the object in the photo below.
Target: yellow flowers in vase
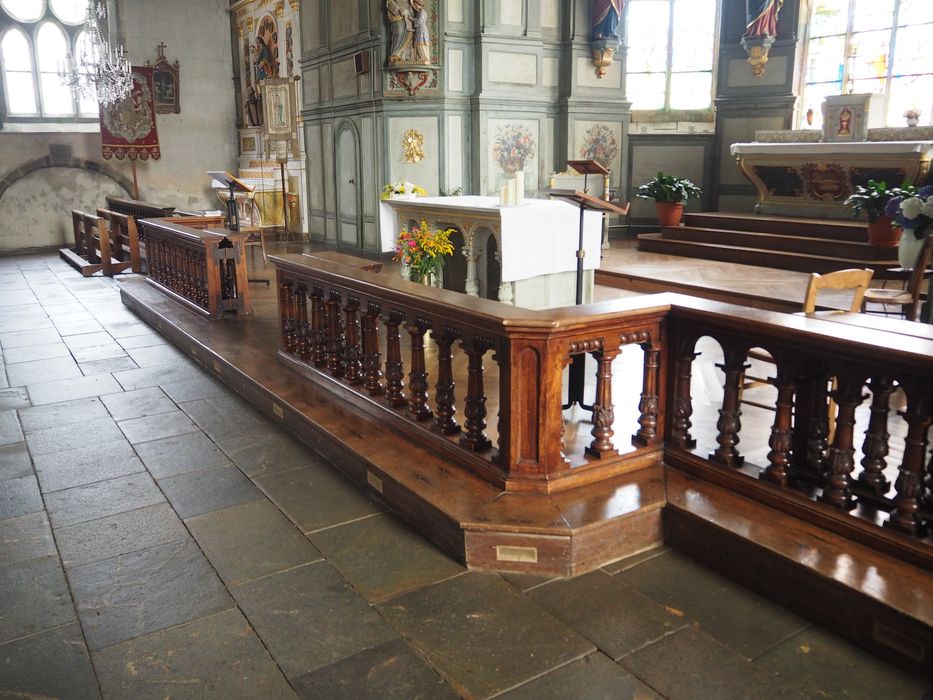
(422, 251)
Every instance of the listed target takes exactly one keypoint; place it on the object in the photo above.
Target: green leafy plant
(669, 188)
(872, 199)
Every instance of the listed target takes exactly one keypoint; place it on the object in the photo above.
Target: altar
(533, 244)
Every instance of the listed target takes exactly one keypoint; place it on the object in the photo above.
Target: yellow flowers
(423, 250)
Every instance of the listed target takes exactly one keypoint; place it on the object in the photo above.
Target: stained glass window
(671, 44)
(870, 46)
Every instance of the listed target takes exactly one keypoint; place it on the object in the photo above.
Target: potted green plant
(669, 193)
(873, 200)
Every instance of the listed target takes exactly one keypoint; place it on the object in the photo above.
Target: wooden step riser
(786, 261)
(854, 231)
(768, 242)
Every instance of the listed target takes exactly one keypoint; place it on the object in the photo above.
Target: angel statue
(605, 16)
(762, 17)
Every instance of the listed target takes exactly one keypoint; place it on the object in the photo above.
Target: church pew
(124, 241)
(91, 250)
(203, 270)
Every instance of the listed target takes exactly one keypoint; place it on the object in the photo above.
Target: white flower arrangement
(403, 189)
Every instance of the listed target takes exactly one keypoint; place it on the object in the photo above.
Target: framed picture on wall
(166, 84)
(279, 102)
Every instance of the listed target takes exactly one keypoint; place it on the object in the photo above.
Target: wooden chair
(906, 300)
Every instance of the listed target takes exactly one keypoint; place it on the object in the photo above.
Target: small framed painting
(166, 84)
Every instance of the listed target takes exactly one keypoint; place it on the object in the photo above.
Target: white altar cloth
(539, 237)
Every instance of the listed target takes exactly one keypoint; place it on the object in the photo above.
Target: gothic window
(878, 46)
(37, 40)
(671, 46)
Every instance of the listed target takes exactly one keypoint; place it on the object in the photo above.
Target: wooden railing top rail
(193, 235)
(136, 206)
(805, 331)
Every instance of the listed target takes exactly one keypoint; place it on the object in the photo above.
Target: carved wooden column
(334, 335)
(729, 424)
(418, 376)
(841, 460)
(909, 484)
(474, 438)
(318, 329)
(875, 448)
(681, 408)
(603, 410)
(782, 431)
(372, 358)
(395, 369)
(445, 407)
(286, 304)
(304, 334)
(811, 425)
(353, 352)
(649, 405)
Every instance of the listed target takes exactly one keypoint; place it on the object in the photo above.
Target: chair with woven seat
(906, 300)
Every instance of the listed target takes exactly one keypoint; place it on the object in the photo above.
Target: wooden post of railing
(372, 358)
(650, 402)
(841, 460)
(681, 408)
(909, 483)
(603, 410)
(782, 431)
(418, 375)
(474, 437)
(318, 328)
(875, 447)
(334, 335)
(395, 369)
(353, 352)
(729, 424)
(304, 333)
(445, 408)
(287, 299)
(811, 426)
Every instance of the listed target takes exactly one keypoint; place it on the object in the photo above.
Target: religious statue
(604, 19)
(761, 17)
(400, 35)
(422, 39)
(409, 33)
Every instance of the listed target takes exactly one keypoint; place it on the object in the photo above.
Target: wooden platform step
(782, 260)
(809, 245)
(844, 230)
(880, 603)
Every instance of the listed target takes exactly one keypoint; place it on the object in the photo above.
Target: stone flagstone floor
(160, 538)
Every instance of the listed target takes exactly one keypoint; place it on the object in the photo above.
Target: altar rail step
(781, 260)
(879, 603)
(842, 230)
(788, 242)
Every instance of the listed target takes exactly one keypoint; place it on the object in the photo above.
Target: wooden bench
(91, 251)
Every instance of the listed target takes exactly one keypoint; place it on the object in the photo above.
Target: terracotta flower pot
(669, 213)
(882, 234)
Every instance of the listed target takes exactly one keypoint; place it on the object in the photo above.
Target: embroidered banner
(128, 127)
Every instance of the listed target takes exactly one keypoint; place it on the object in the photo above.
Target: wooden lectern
(234, 185)
(585, 201)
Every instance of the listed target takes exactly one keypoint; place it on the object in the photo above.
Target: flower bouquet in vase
(422, 250)
(402, 190)
(513, 147)
(912, 210)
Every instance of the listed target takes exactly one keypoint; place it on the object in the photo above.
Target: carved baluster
(729, 424)
(445, 390)
(353, 352)
(841, 459)
(304, 333)
(318, 329)
(283, 314)
(473, 437)
(334, 335)
(875, 447)
(289, 338)
(372, 358)
(418, 376)
(202, 282)
(603, 410)
(782, 432)
(816, 427)
(395, 369)
(681, 394)
(909, 482)
(649, 405)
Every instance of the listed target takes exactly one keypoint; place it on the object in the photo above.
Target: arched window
(36, 39)
(671, 46)
(879, 46)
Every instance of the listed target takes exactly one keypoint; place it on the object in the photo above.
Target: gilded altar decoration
(826, 181)
(267, 49)
(128, 127)
(761, 20)
(166, 84)
(599, 144)
(845, 122)
(513, 147)
(604, 32)
(412, 52)
(413, 146)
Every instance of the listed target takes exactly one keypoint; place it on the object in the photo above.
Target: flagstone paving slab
(100, 499)
(53, 664)
(87, 465)
(180, 454)
(26, 538)
(207, 490)
(35, 598)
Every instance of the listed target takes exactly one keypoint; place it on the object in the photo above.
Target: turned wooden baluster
(474, 438)
(318, 329)
(841, 459)
(289, 338)
(418, 376)
(445, 408)
(603, 410)
(875, 447)
(353, 352)
(782, 431)
(372, 358)
(334, 335)
(729, 424)
(649, 405)
(202, 282)
(681, 395)
(395, 369)
(304, 332)
(909, 483)
(813, 426)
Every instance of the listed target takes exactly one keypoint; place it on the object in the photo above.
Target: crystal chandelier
(97, 71)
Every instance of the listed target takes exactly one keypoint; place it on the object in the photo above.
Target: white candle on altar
(519, 187)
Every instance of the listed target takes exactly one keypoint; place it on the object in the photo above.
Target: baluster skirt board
(476, 522)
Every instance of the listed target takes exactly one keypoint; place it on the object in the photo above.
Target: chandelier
(97, 71)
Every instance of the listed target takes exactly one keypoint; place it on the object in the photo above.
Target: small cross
(161, 48)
